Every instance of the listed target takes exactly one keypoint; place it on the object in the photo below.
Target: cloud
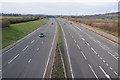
(59, 1)
(58, 8)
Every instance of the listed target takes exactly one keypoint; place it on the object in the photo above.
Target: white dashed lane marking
(104, 47)
(104, 61)
(110, 68)
(75, 41)
(104, 72)
(32, 41)
(25, 48)
(29, 60)
(72, 36)
(115, 73)
(82, 38)
(87, 43)
(78, 46)
(107, 64)
(100, 57)
(37, 49)
(94, 50)
(93, 71)
(13, 59)
(84, 55)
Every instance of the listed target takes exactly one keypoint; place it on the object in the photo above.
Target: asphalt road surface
(29, 58)
(89, 55)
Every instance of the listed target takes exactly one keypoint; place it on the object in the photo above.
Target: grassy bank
(110, 26)
(58, 71)
(17, 31)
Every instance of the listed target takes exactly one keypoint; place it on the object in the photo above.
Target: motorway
(30, 57)
(89, 55)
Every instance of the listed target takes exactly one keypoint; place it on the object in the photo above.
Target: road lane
(9, 54)
(106, 48)
(100, 38)
(104, 54)
(32, 61)
(78, 62)
(95, 55)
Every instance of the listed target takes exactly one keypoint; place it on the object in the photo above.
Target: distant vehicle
(52, 23)
(42, 35)
(64, 24)
(70, 23)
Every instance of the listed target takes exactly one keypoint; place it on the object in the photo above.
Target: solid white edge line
(67, 53)
(93, 71)
(63, 63)
(49, 54)
(13, 58)
(104, 72)
(52, 66)
(84, 55)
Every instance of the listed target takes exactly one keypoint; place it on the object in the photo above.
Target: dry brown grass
(110, 26)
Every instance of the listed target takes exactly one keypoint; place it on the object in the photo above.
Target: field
(109, 26)
(14, 17)
(6, 20)
(9, 17)
(19, 30)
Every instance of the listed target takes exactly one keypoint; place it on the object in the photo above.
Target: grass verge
(17, 31)
(58, 71)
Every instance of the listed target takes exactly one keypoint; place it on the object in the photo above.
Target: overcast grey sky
(58, 8)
